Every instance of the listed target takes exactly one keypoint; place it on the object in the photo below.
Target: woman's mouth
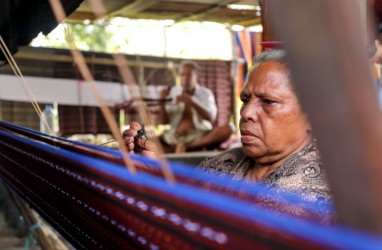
(247, 136)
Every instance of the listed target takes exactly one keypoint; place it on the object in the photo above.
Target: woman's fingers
(136, 141)
(129, 142)
(132, 130)
(129, 135)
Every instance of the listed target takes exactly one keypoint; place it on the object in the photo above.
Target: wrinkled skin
(273, 127)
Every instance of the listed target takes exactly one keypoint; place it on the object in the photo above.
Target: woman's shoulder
(305, 174)
(224, 162)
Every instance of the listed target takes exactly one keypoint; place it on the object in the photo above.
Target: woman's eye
(268, 101)
(244, 100)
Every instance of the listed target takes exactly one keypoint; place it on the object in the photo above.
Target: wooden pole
(269, 28)
(332, 77)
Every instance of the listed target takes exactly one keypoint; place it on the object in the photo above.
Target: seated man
(191, 114)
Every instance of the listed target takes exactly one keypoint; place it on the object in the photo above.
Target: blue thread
(335, 236)
(30, 237)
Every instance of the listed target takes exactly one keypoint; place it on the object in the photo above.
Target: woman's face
(272, 125)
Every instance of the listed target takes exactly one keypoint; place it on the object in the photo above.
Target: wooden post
(269, 27)
(333, 79)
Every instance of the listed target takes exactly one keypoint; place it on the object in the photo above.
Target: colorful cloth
(302, 174)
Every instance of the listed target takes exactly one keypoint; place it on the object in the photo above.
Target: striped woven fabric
(89, 196)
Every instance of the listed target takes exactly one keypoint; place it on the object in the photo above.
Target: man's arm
(163, 116)
(198, 106)
(205, 103)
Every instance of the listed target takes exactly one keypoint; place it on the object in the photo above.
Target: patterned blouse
(302, 174)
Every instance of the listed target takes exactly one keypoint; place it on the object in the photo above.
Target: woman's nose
(249, 112)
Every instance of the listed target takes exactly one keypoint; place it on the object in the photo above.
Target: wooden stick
(128, 78)
(84, 69)
(333, 79)
(121, 62)
(16, 70)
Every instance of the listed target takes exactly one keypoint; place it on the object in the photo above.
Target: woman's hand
(136, 141)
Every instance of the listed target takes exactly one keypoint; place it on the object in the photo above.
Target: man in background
(191, 114)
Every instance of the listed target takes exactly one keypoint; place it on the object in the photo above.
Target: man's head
(273, 126)
(189, 75)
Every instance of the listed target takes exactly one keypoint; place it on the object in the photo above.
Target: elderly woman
(278, 147)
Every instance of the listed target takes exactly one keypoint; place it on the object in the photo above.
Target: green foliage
(86, 36)
(193, 40)
(91, 37)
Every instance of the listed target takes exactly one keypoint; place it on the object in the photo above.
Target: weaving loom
(88, 195)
